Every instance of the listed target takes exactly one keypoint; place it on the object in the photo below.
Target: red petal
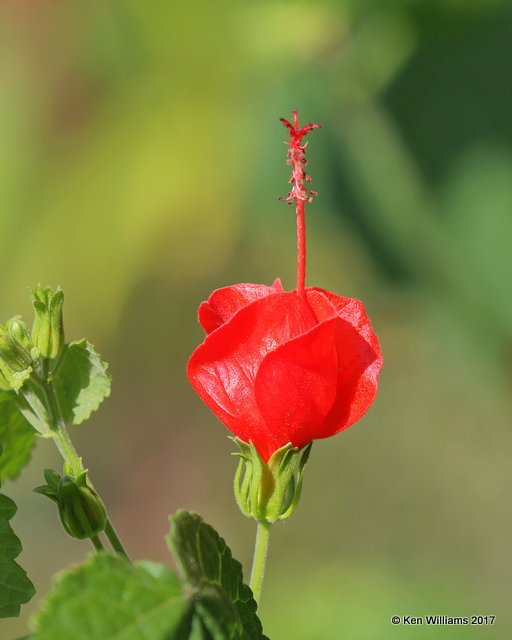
(359, 358)
(224, 303)
(223, 369)
(296, 386)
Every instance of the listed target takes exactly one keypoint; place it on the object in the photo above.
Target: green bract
(269, 491)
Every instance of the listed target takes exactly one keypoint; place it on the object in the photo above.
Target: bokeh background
(140, 162)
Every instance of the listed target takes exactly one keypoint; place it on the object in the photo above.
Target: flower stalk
(259, 559)
(281, 369)
(73, 463)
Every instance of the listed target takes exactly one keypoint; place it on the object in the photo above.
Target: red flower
(277, 367)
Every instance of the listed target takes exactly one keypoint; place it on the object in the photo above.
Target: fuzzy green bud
(81, 510)
(48, 327)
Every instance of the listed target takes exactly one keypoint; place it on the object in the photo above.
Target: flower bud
(15, 360)
(19, 333)
(48, 327)
(269, 491)
(14, 356)
(82, 512)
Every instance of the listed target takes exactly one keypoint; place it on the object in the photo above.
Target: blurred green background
(140, 162)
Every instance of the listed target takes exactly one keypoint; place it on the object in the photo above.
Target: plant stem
(260, 557)
(114, 540)
(70, 455)
(67, 449)
(97, 543)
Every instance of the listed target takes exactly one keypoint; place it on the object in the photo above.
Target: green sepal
(269, 491)
(52, 478)
(297, 484)
(47, 491)
(56, 323)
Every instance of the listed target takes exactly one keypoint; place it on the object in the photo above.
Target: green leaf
(206, 563)
(109, 598)
(15, 587)
(16, 437)
(81, 381)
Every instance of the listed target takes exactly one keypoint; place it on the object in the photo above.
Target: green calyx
(269, 491)
(48, 327)
(16, 360)
(81, 510)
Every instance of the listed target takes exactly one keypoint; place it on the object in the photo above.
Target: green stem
(260, 557)
(67, 449)
(114, 540)
(71, 458)
(97, 543)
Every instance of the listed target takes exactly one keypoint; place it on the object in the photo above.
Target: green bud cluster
(20, 351)
(269, 491)
(48, 327)
(81, 510)
(16, 357)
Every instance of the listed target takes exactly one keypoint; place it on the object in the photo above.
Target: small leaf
(16, 437)
(206, 563)
(109, 598)
(81, 381)
(15, 587)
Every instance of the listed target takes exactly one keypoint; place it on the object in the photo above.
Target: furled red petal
(359, 358)
(350, 309)
(224, 303)
(223, 369)
(296, 386)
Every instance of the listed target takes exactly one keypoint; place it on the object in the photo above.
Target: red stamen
(298, 192)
